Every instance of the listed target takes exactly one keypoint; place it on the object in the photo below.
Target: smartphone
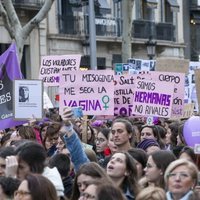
(77, 112)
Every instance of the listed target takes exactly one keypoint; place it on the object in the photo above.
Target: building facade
(66, 31)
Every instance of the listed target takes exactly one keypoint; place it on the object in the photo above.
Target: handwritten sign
(92, 90)
(123, 94)
(51, 66)
(178, 80)
(153, 98)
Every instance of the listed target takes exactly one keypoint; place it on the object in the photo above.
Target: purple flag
(9, 71)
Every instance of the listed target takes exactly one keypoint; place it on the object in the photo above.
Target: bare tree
(13, 25)
(127, 10)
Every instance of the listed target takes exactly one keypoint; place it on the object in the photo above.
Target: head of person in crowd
(80, 129)
(188, 154)
(181, 177)
(91, 155)
(61, 146)
(5, 140)
(149, 145)
(8, 186)
(87, 172)
(152, 193)
(25, 132)
(102, 189)
(123, 172)
(111, 145)
(101, 140)
(63, 164)
(97, 125)
(35, 187)
(140, 157)
(180, 138)
(91, 189)
(43, 129)
(108, 191)
(31, 158)
(123, 133)
(137, 125)
(151, 132)
(4, 152)
(171, 135)
(51, 139)
(157, 163)
(90, 135)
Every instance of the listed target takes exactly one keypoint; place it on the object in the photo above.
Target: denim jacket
(78, 156)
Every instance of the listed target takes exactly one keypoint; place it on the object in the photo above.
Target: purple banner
(9, 71)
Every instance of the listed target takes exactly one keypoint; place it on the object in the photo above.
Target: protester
(51, 138)
(109, 192)
(171, 136)
(35, 187)
(152, 193)
(87, 172)
(4, 152)
(188, 154)
(156, 165)
(101, 142)
(181, 177)
(151, 132)
(149, 146)
(122, 132)
(140, 157)
(26, 132)
(123, 172)
(72, 140)
(8, 186)
(62, 163)
(31, 158)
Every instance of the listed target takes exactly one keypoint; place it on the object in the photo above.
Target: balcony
(112, 27)
(28, 4)
(160, 31)
(165, 31)
(143, 29)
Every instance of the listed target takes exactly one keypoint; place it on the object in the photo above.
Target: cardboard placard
(172, 65)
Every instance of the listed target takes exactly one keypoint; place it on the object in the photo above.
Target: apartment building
(66, 30)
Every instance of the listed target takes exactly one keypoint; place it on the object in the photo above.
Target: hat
(147, 143)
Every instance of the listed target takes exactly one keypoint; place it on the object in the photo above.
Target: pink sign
(153, 98)
(123, 94)
(92, 90)
(171, 77)
(51, 66)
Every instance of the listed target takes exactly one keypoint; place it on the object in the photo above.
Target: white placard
(28, 99)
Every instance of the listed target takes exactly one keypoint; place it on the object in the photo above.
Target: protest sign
(153, 98)
(10, 70)
(28, 99)
(52, 65)
(188, 110)
(172, 65)
(123, 94)
(92, 90)
(197, 84)
(169, 77)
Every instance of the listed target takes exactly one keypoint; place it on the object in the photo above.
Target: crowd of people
(88, 159)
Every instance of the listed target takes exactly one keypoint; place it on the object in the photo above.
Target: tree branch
(12, 15)
(38, 18)
(6, 21)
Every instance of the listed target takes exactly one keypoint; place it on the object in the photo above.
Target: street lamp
(151, 48)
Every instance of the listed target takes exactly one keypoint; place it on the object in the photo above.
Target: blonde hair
(192, 169)
(151, 193)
